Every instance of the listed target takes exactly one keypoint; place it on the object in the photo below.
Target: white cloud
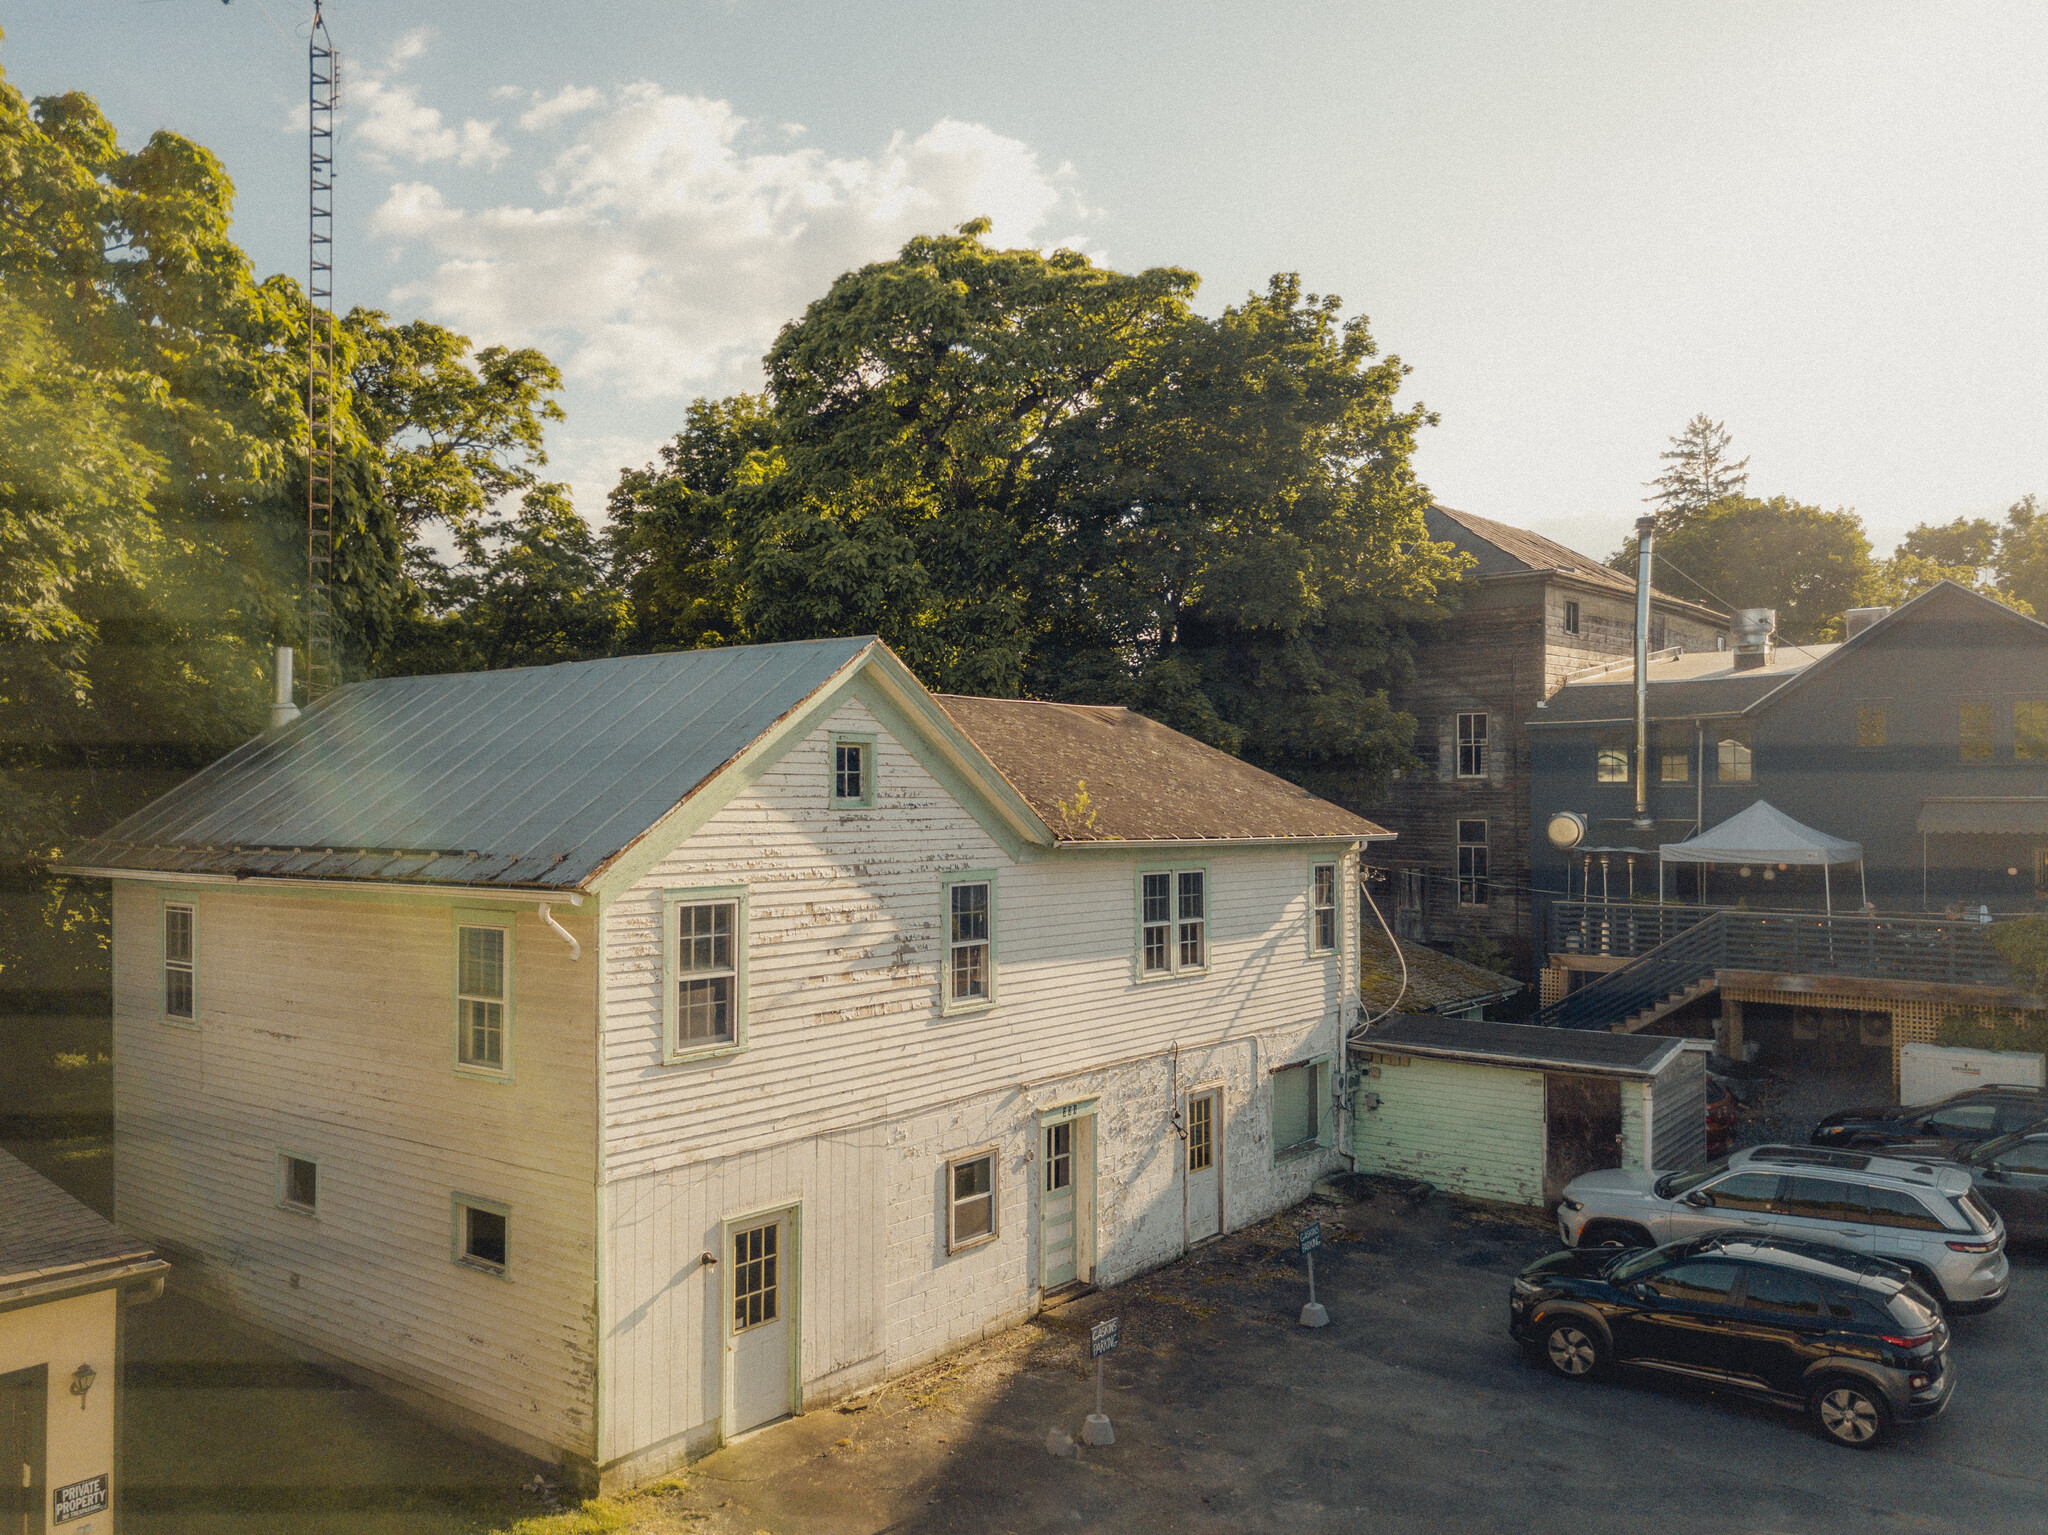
(569, 101)
(389, 121)
(668, 245)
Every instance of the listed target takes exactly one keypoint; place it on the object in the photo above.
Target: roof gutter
(538, 895)
(1115, 843)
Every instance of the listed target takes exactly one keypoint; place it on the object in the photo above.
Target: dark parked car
(1850, 1339)
(2010, 1174)
(1975, 1115)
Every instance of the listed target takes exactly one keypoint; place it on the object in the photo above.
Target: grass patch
(599, 1516)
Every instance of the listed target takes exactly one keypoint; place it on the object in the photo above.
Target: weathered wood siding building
(1534, 614)
(617, 1056)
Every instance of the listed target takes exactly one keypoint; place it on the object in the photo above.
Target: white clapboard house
(615, 1057)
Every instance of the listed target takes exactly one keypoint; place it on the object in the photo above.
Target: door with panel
(762, 1334)
(24, 1402)
(1058, 1251)
(1205, 1165)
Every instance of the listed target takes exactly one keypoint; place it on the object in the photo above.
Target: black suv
(1975, 1115)
(1851, 1339)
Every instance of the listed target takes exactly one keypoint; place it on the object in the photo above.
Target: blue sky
(1579, 224)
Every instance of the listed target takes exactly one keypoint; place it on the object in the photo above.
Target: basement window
(971, 1201)
(483, 1231)
(298, 1182)
(1298, 1120)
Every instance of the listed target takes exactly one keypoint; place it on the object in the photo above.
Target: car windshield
(1671, 1185)
(1634, 1265)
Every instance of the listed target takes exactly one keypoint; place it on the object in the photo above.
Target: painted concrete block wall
(78, 1435)
(326, 1028)
(1475, 1130)
(855, 1087)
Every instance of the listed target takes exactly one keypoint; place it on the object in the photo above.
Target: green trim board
(948, 1007)
(673, 1051)
(461, 917)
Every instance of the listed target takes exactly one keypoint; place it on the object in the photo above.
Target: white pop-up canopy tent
(1765, 834)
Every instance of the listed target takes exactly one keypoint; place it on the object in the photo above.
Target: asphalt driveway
(1411, 1411)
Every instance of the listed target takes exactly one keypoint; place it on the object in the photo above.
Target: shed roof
(1526, 1045)
(1681, 687)
(1436, 982)
(1145, 782)
(46, 1235)
(534, 777)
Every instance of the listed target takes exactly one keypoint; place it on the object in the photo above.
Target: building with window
(1923, 737)
(67, 1279)
(614, 1057)
(1534, 614)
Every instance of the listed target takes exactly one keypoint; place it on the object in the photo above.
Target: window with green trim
(1173, 920)
(970, 936)
(1297, 1109)
(853, 772)
(179, 990)
(482, 995)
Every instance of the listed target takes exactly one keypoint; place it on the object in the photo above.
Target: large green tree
(1741, 552)
(1033, 475)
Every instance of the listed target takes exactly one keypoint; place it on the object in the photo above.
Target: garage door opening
(1581, 1128)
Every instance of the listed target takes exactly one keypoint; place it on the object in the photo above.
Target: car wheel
(1849, 1413)
(1614, 1234)
(1571, 1348)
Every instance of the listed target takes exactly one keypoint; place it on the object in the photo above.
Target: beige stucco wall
(79, 1437)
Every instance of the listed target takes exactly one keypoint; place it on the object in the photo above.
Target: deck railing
(1937, 950)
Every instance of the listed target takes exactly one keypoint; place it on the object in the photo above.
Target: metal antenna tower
(323, 92)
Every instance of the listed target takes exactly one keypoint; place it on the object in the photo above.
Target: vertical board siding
(1474, 1130)
(326, 1028)
(854, 1090)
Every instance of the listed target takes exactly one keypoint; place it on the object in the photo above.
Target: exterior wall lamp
(81, 1382)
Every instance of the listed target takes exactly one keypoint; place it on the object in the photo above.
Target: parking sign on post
(1308, 1239)
(1101, 1341)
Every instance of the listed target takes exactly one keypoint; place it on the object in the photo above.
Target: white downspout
(575, 948)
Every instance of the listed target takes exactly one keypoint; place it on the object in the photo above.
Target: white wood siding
(1474, 1130)
(325, 1028)
(854, 1089)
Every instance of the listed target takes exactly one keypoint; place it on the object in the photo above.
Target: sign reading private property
(82, 1498)
(1102, 1339)
(1310, 1237)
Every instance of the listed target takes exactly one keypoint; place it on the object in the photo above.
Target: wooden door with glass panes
(763, 1376)
(1058, 1252)
(1205, 1165)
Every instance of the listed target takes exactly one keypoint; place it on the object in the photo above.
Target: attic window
(853, 772)
(1571, 618)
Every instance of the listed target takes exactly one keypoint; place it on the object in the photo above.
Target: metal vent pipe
(1645, 528)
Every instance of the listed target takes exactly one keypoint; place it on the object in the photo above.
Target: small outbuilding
(1514, 1111)
(66, 1276)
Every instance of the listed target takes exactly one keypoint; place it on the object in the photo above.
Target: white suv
(1919, 1214)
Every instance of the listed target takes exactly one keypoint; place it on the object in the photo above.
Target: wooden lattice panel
(1551, 984)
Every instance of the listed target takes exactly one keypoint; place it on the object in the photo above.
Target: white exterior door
(1058, 1250)
(763, 1379)
(1205, 1166)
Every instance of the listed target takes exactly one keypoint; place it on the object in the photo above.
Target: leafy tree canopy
(1741, 552)
(1032, 475)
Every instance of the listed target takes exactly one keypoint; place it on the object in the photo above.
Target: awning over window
(1986, 816)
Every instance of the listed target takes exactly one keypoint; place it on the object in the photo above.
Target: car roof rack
(1811, 1156)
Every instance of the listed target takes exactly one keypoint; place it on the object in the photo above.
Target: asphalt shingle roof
(1501, 550)
(1522, 1044)
(46, 1234)
(1436, 982)
(533, 778)
(1145, 782)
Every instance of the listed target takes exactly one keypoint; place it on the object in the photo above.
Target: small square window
(1323, 912)
(853, 772)
(971, 1201)
(1870, 725)
(1674, 766)
(1571, 618)
(1471, 746)
(483, 1234)
(299, 1182)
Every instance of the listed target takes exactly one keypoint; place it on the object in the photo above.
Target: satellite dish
(1567, 830)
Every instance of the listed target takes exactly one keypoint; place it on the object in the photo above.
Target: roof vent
(1856, 620)
(1754, 629)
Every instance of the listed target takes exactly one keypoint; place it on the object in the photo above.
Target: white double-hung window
(483, 994)
(1173, 921)
(180, 993)
(704, 949)
(969, 967)
(1322, 936)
